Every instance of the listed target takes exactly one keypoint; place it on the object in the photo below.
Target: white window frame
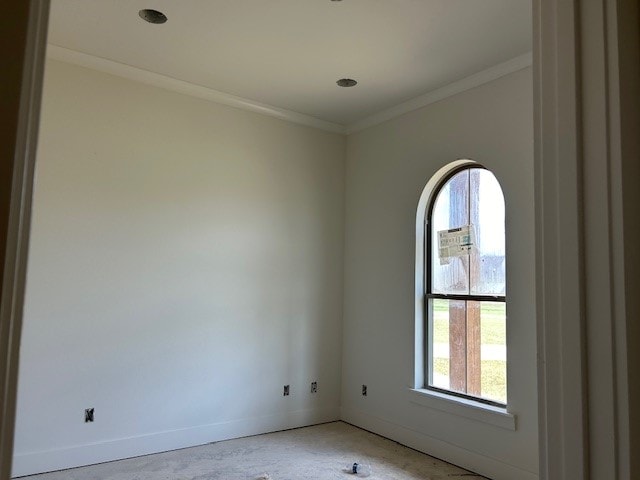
(464, 406)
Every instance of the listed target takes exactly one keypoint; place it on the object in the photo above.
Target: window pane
(468, 348)
(450, 210)
(487, 260)
(439, 344)
(494, 351)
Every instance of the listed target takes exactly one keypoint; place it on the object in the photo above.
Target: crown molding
(467, 83)
(75, 57)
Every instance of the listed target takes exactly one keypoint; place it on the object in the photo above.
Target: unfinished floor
(318, 452)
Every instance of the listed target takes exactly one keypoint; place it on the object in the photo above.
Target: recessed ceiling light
(152, 16)
(346, 82)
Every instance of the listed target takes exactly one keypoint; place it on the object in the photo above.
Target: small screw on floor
(88, 415)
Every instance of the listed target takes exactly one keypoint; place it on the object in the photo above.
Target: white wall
(186, 261)
(387, 169)
(185, 264)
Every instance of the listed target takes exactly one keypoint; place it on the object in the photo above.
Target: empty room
(278, 239)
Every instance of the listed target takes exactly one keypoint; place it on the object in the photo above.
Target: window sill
(463, 407)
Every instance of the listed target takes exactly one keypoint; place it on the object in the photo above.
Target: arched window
(465, 286)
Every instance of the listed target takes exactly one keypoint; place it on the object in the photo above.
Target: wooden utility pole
(464, 316)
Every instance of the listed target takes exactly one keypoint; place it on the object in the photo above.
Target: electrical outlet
(364, 390)
(88, 415)
(314, 387)
(286, 391)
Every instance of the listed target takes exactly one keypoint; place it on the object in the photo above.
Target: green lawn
(492, 318)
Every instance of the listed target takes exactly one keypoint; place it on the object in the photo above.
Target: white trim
(62, 54)
(130, 72)
(463, 407)
(562, 364)
(108, 450)
(581, 253)
(473, 461)
(472, 81)
(27, 121)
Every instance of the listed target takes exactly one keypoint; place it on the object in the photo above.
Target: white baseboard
(88, 454)
(475, 462)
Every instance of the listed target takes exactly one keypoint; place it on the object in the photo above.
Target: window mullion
(478, 298)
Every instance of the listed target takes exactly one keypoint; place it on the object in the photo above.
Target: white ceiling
(289, 53)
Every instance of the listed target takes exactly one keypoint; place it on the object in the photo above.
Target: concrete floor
(319, 452)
